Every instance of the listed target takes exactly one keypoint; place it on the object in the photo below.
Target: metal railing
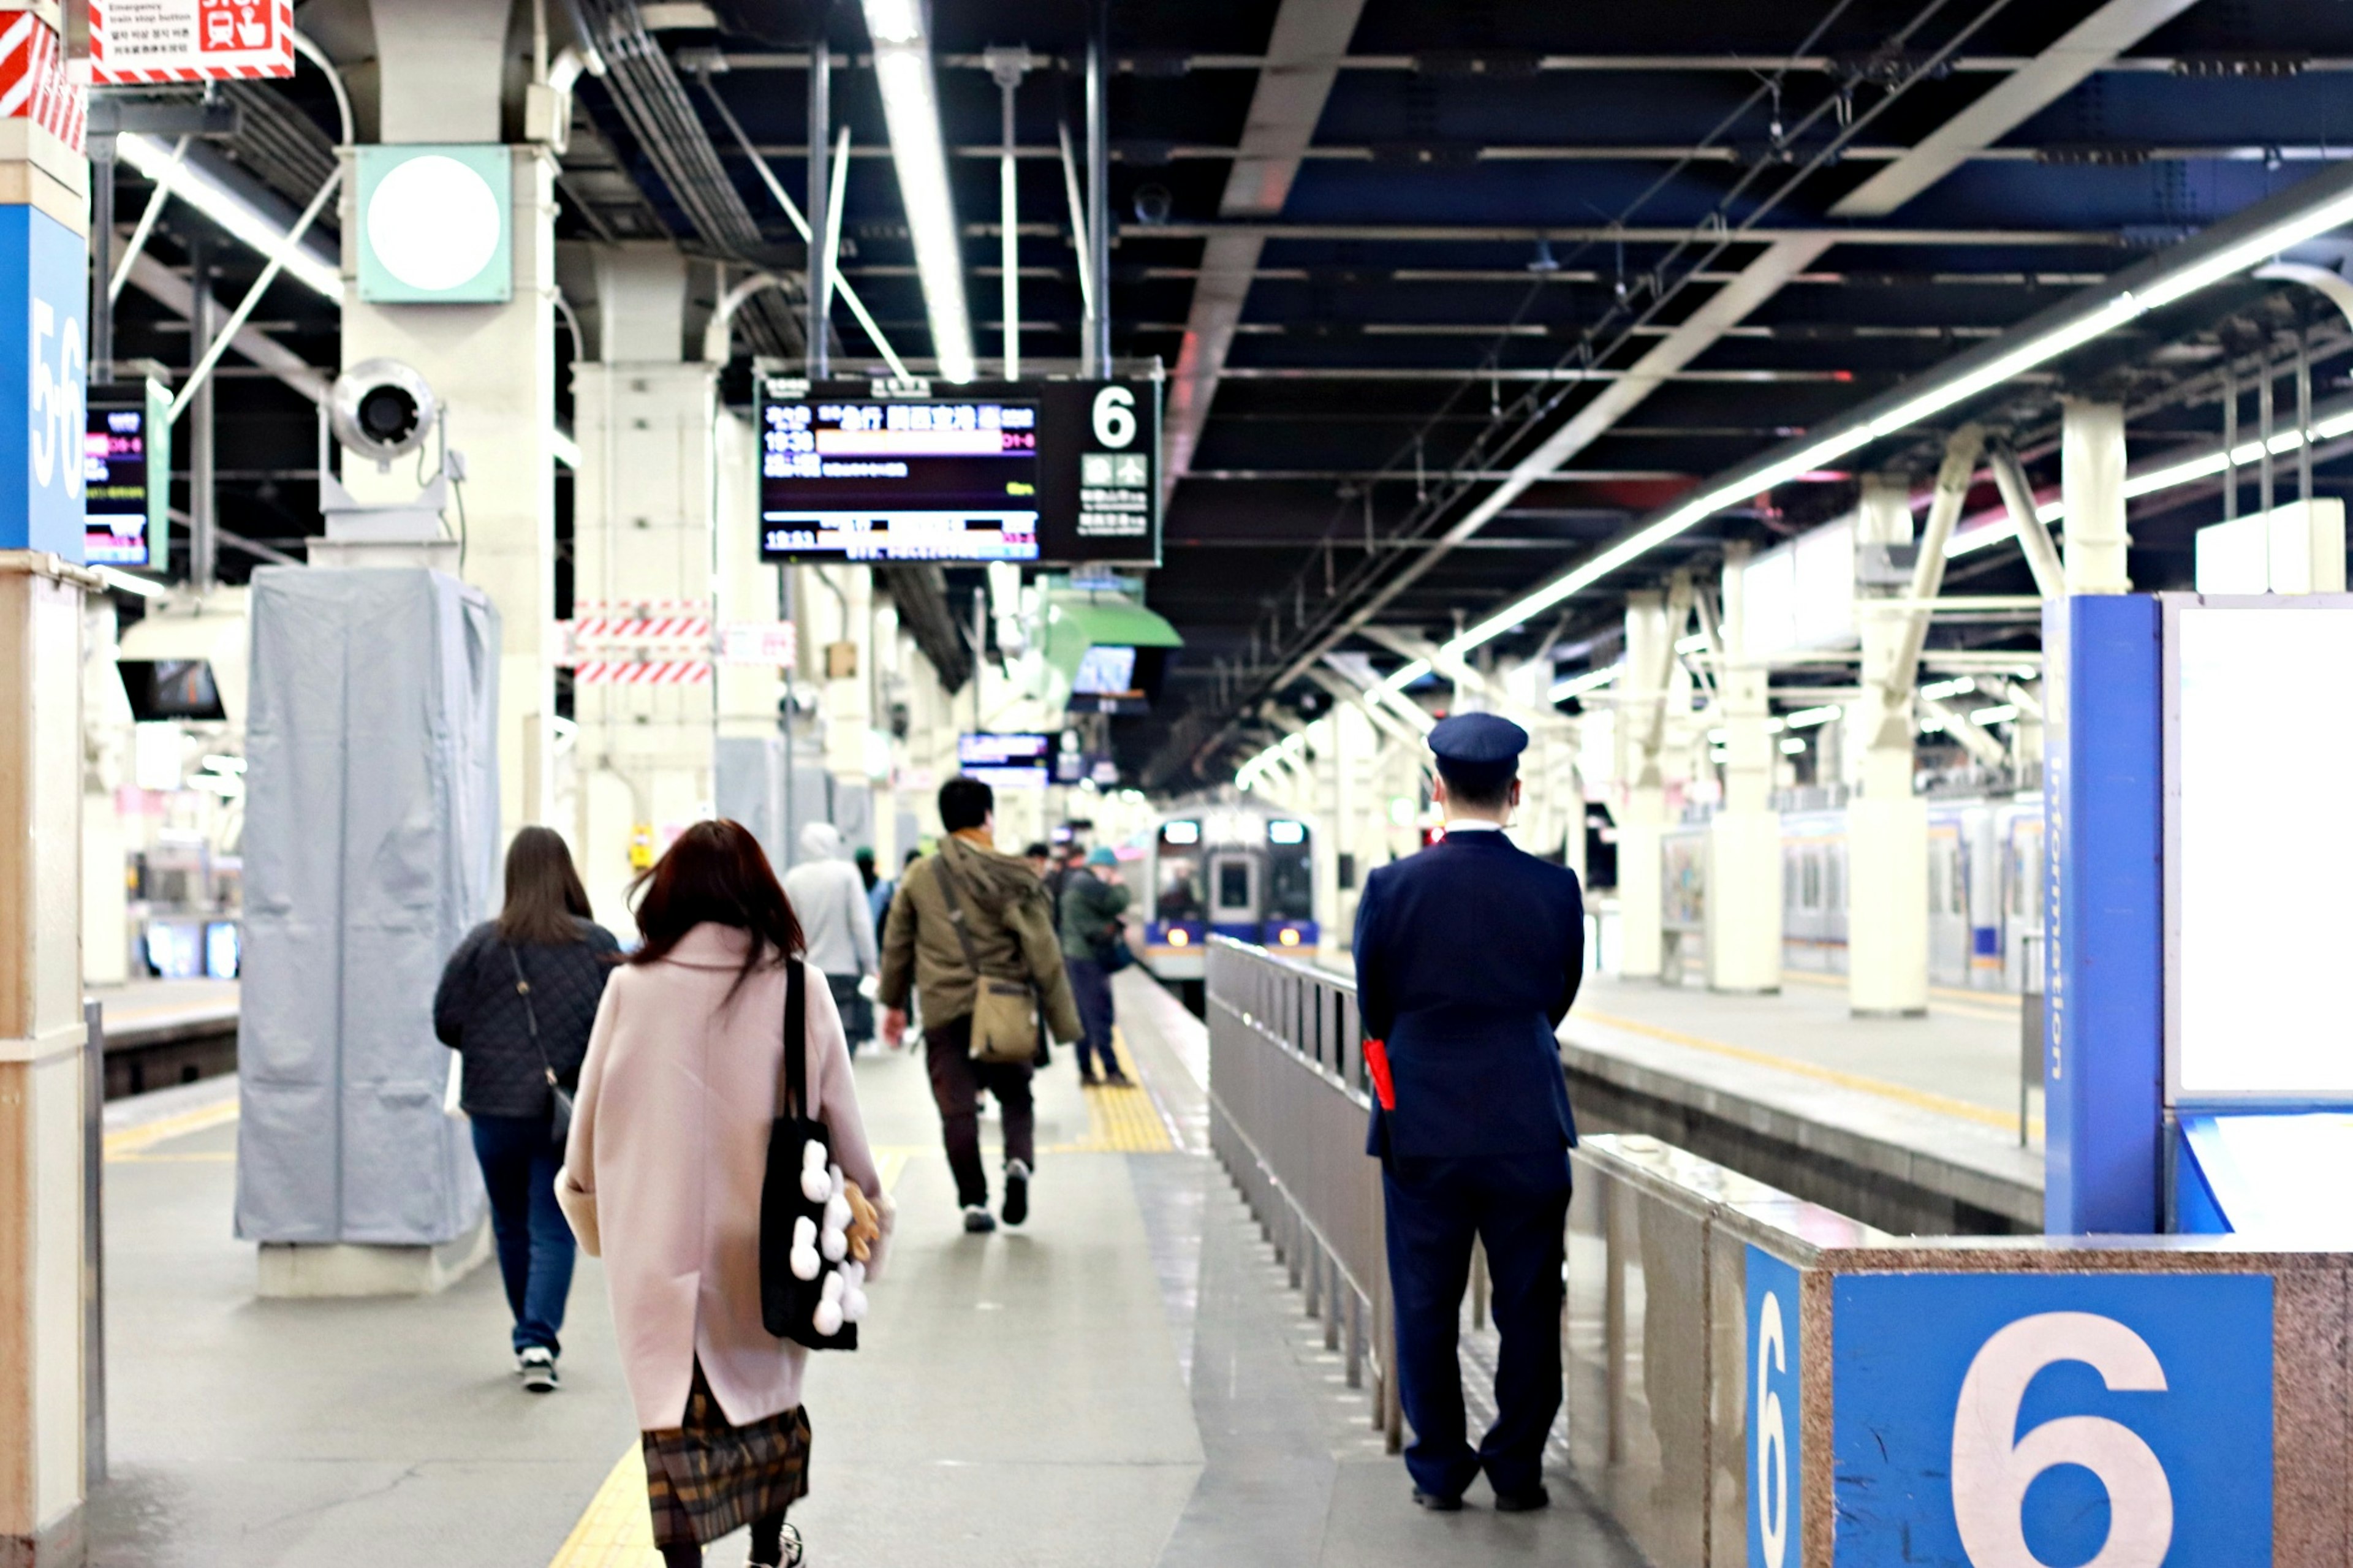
(1288, 1099)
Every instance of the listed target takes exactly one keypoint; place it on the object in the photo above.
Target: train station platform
(1913, 1124)
(1127, 1380)
(164, 1032)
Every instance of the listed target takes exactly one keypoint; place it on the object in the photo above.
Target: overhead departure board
(126, 475)
(1061, 471)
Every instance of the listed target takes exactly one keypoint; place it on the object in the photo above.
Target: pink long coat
(670, 1139)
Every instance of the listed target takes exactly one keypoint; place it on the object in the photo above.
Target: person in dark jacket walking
(1090, 906)
(516, 1001)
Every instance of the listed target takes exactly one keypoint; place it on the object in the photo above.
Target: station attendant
(1468, 956)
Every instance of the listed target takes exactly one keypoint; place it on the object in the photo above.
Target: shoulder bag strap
(530, 1015)
(792, 1084)
(955, 910)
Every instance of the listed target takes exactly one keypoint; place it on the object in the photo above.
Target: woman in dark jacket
(516, 1001)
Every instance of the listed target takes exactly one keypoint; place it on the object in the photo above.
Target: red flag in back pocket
(1377, 1057)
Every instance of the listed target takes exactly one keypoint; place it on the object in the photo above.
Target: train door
(1948, 905)
(1233, 894)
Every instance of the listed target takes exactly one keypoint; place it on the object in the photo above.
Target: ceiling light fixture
(2279, 223)
(911, 108)
(214, 197)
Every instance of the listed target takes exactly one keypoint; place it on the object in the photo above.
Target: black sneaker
(537, 1366)
(1528, 1501)
(1016, 1192)
(1439, 1502)
(977, 1220)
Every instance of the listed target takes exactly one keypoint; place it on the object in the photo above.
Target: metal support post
(820, 139)
(2092, 485)
(1009, 67)
(93, 1235)
(101, 266)
(1356, 1340)
(2230, 445)
(202, 522)
(1098, 344)
(1334, 1288)
(1478, 1285)
(2303, 414)
(2264, 433)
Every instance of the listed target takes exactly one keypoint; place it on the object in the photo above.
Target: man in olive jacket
(1010, 921)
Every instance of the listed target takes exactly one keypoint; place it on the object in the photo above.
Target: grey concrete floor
(1126, 1383)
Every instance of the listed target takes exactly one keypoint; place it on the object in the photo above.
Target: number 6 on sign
(1993, 1467)
(1115, 416)
(1772, 1478)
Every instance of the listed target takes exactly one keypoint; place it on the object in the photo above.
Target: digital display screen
(1006, 761)
(1105, 670)
(162, 689)
(114, 487)
(1061, 471)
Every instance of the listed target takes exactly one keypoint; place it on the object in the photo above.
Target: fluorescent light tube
(217, 201)
(903, 72)
(1805, 718)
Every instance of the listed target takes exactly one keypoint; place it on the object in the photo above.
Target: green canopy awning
(1077, 622)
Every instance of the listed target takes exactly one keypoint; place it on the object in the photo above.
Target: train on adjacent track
(1226, 869)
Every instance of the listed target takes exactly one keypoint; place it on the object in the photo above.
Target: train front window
(1179, 894)
(1234, 901)
(1290, 885)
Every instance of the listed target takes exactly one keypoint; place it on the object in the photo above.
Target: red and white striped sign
(641, 624)
(33, 81)
(134, 43)
(642, 672)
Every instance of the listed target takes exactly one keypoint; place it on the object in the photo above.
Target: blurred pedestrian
(515, 1002)
(662, 1179)
(1093, 903)
(1037, 857)
(961, 914)
(829, 901)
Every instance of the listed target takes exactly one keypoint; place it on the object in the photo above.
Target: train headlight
(1179, 938)
(1289, 937)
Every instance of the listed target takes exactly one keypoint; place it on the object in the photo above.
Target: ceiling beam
(1297, 78)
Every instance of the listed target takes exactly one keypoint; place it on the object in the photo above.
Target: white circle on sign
(433, 223)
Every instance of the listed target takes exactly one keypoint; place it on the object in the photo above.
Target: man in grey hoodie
(828, 898)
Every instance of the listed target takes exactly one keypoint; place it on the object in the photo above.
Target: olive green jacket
(1011, 922)
(1090, 911)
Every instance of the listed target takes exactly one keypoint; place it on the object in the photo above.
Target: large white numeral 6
(1115, 416)
(1992, 1466)
(1772, 1480)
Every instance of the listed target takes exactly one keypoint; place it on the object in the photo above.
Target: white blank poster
(2263, 884)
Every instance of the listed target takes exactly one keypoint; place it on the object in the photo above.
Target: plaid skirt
(704, 1478)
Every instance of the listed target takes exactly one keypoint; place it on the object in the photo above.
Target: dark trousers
(1516, 1206)
(1090, 989)
(519, 1166)
(956, 1083)
(857, 1012)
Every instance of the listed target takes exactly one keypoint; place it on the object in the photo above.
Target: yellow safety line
(1920, 1099)
(1121, 1119)
(201, 1157)
(130, 1141)
(1964, 1003)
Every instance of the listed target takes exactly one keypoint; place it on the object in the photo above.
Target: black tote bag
(788, 1303)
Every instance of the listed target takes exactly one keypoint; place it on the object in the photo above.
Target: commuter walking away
(884, 889)
(965, 914)
(828, 898)
(1468, 956)
(1037, 857)
(662, 1179)
(1093, 901)
(515, 1002)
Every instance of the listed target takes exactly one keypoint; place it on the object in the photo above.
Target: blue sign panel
(2045, 1421)
(1773, 1471)
(43, 291)
(2103, 997)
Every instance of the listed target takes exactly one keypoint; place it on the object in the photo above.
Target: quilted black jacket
(478, 1013)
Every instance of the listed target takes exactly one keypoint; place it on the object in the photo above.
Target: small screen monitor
(1006, 761)
(1106, 670)
(163, 689)
(224, 947)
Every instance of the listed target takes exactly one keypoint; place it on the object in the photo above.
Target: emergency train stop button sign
(2053, 1420)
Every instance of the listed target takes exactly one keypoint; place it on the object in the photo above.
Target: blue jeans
(1516, 1206)
(519, 1166)
(1090, 989)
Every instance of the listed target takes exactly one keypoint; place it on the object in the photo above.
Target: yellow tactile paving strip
(133, 1142)
(1121, 1121)
(616, 1531)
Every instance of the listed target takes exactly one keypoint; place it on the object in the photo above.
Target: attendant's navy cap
(1478, 751)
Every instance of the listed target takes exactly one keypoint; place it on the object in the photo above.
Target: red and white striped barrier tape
(642, 672)
(33, 81)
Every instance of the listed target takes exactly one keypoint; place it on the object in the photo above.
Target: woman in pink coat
(663, 1175)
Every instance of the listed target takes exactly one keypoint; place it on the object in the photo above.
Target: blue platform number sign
(1773, 1409)
(43, 285)
(2052, 1421)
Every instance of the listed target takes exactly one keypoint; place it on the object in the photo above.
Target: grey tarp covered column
(371, 843)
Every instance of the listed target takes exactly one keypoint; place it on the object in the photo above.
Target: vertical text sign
(1771, 1385)
(2030, 1421)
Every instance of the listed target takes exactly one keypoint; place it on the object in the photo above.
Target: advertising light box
(1006, 761)
(1048, 472)
(126, 475)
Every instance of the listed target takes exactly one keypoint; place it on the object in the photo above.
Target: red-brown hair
(715, 872)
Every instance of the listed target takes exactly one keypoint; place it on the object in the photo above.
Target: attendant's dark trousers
(956, 1083)
(1516, 1206)
(519, 1166)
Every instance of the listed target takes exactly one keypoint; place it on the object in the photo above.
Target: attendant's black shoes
(1438, 1502)
(1527, 1502)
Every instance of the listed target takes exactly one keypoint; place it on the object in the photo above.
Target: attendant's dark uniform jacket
(1468, 956)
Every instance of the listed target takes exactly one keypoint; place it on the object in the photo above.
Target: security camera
(1153, 203)
(382, 409)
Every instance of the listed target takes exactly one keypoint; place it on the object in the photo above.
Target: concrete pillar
(1744, 839)
(2092, 488)
(44, 227)
(1887, 824)
(440, 77)
(106, 740)
(1643, 807)
(642, 533)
